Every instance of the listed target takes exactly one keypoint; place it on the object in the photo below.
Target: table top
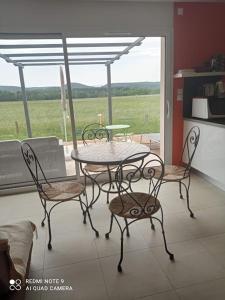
(119, 126)
(109, 153)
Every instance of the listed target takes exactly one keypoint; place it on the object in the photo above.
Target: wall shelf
(198, 74)
(192, 87)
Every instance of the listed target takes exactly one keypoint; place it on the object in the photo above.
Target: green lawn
(140, 112)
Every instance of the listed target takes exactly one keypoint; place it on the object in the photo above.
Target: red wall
(198, 34)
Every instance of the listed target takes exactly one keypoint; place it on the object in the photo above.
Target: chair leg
(107, 198)
(187, 196)
(188, 201)
(83, 211)
(180, 190)
(119, 268)
(171, 255)
(90, 220)
(127, 228)
(152, 225)
(49, 232)
(111, 185)
(95, 199)
(110, 228)
(85, 184)
(93, 194)
(43, 202)
(48, 213)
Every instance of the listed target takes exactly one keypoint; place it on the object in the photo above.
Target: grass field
(142, 113)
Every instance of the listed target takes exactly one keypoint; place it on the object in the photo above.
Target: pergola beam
(126, 50)
(75, 45)
(62, 60)
(71, 61)
(58, 64)
(61, 54)
(9, 60)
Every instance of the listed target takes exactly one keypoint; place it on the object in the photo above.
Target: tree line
(54, 93)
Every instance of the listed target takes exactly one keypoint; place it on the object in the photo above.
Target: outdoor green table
(116, 127)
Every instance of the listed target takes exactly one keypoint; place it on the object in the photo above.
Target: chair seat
(61, 191)
(130, 209)
(97, 168)
(172, 172)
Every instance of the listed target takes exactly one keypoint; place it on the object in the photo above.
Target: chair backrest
(33, 165)
(151, 169)
(190, 146)
(95, 133)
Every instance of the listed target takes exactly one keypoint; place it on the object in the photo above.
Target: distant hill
(139, 85)
(14, 89)
(79, 90)
(77, 85)
(9, 88)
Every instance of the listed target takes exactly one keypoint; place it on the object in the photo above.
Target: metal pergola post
(25, 106)
(70, 98)
(108, 67)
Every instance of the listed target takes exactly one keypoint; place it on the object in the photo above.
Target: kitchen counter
(209, 158)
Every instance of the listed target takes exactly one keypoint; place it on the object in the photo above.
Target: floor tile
(68, 248)
(206, 291)
(208, 221)
(141, 276)
(85, 278)
(216, 247)
(193, 264)
(171, 295)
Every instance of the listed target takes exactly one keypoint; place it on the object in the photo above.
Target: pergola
(67, 57)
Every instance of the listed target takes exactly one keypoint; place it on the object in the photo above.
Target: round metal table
(109, 153)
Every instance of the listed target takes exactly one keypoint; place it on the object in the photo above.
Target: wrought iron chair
(96, 133)
(135, 206)
(56, 192)
(179, 173)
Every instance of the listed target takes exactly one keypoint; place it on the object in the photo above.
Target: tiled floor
(88, 264)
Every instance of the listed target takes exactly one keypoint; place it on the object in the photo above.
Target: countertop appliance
(206, 108)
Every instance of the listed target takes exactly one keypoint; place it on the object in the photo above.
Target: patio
(88, 264)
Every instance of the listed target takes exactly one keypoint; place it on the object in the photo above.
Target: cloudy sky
(141, 64)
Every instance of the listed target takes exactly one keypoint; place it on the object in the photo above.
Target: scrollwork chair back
(95, 133)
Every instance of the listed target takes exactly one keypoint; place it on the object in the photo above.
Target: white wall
(86, 18)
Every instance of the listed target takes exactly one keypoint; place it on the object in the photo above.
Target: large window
(112, 81)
